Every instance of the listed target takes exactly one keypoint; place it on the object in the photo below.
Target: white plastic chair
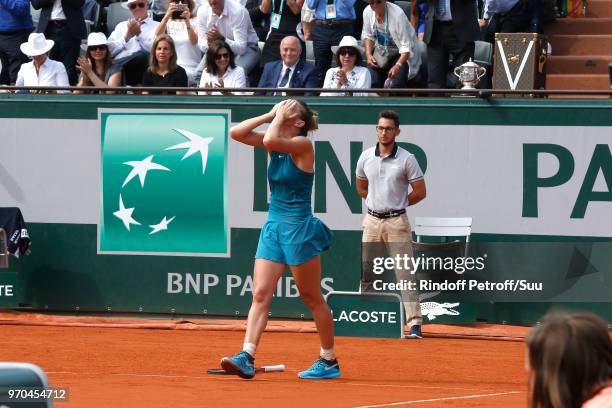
(443, 227)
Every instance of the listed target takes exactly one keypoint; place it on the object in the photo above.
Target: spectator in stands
(349, 74)
(221, 70)
(290, 71)
(332, 21)
(97, 67)
(15, 26)
(179, 24)
(451, 27)
(163, 70)
(42, 70)
(418, 17)
(259, 19)
(284, 19)
(360, 5)
(62, 22)
(229, 21)
(390, 43)
(130, 42)
(569, 360)
(89, 10)
(307, 15)
(506, 16)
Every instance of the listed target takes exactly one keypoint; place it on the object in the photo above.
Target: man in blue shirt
(333, 19)
(15, 26)
(507, 16)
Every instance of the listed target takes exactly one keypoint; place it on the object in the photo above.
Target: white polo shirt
(388, 178)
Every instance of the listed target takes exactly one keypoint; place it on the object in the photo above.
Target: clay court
(127, 362)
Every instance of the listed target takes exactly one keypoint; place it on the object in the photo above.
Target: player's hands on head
(288, 109)
(274, 109)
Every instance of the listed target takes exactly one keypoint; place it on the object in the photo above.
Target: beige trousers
(397, 235)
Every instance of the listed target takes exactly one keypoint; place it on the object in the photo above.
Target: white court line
(439, 399)
(430, 387)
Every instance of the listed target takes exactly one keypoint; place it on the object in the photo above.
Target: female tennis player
(291, 236)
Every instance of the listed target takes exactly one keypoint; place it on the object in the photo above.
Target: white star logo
(195, 144)
(140, 169)
(125, 214)
(162, 226)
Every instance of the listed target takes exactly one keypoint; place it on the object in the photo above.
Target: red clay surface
(144, 367)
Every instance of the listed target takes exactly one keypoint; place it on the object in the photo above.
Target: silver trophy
(469, 74)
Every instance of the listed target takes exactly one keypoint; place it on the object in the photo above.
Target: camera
(180, 8)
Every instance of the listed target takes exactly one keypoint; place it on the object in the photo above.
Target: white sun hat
(37, 45)
(348, 41)
(127, 3)
(94, 39)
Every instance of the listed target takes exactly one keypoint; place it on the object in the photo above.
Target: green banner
(9, 289)
(366, 315)
(125, 217)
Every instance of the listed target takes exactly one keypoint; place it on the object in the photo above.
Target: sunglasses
(97, 48)
(222, 56)
(139, 5)
(347, 51)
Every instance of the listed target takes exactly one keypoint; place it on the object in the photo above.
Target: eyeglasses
(139, 5)
(222, 56)
(347, 51)
(382, 129)
(97, 48)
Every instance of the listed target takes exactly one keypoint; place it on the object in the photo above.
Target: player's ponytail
(310, 118)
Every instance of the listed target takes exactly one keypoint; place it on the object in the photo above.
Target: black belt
(388, 214)
(332, 22)
(58, 22)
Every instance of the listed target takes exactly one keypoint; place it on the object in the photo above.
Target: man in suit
(451, 27)
(62, 21)
(290, 71)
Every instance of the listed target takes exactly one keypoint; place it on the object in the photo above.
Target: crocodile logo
(435, 309)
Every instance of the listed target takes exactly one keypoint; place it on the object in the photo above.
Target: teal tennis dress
(291, 234)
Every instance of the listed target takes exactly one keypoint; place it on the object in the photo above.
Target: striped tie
(285, 78)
